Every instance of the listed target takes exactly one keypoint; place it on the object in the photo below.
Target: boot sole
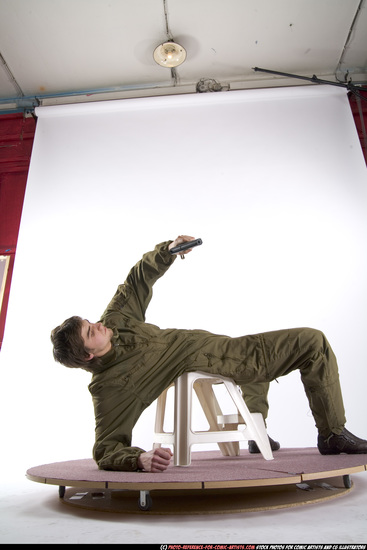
(342, 452)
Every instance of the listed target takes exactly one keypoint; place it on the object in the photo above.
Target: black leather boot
(253, 448)
(343, 443)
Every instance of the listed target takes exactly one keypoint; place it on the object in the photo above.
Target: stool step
(230, 419)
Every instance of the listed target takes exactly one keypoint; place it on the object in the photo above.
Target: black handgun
(185, 246)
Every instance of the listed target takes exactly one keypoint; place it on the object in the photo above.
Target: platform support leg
(61, 491)
(347, 481)
(145, 501)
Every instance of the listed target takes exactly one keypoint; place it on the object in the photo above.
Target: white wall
(273, 181)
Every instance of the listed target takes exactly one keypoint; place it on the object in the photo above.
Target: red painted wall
(359, 110)
(16, 140)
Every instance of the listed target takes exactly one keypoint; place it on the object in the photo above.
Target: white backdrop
(273, 181)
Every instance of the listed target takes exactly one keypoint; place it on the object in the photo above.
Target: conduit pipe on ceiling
(346, 45)
(31, 101)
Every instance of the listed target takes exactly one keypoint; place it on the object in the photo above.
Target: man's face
(96, 338)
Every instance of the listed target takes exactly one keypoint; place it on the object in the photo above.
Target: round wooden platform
(211, 484)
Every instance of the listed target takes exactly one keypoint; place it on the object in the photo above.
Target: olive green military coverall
(144, 360)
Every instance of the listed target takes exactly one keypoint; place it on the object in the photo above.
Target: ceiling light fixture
(169, 54)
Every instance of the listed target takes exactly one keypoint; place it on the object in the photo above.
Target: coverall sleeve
(116, 412)
(134, 295)
(116, 406)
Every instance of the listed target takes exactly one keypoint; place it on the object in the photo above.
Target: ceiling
(67, 51)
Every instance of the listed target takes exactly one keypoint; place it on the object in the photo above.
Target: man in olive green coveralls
(132, 362)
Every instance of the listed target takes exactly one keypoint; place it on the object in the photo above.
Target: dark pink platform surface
(210, 466)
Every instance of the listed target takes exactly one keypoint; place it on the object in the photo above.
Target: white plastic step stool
(226, 430)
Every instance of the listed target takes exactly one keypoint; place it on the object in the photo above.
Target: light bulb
(169, 54)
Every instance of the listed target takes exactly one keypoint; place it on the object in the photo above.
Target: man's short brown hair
(69, 348)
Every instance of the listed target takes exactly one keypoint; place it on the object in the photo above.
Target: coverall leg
(264, 357)
(256, 397)
(309, 351)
